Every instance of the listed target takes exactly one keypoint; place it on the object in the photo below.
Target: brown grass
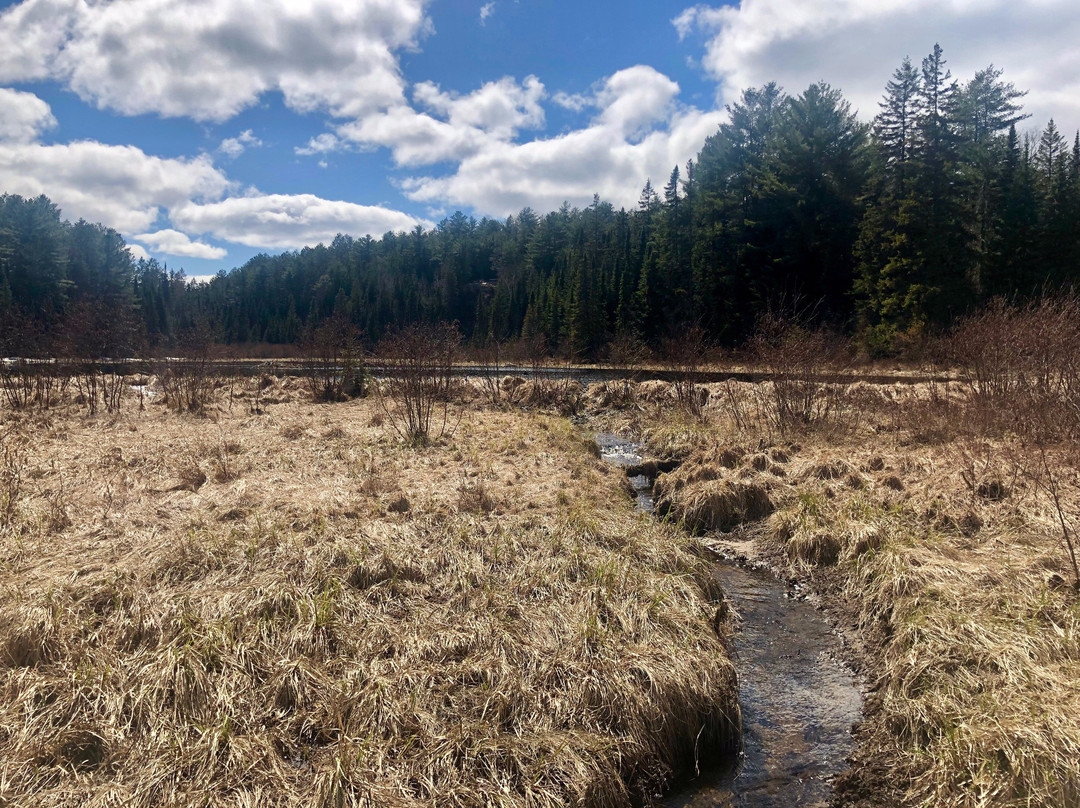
(941, 548)
(706, 493)
(237, 612)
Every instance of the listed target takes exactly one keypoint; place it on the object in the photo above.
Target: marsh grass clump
(707, 493)
(816, 530)
(12, 473)
(974, 706)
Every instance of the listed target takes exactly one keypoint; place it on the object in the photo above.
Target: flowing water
(798, 701)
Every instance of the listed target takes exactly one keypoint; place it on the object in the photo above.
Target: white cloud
(124, 188)
(120, 186)
(635, 98)
(322, 144)
(486, 11)
(173, 242)
(211, 59)
(288, 221)
(465, 125)
(571, 101)
(235, 146)
(856, 45)
(23, 116)
(499, 108)
(138, 251)
(638, 133)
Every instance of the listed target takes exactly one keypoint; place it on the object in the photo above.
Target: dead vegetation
(938, 520)
(296, 607)
(292, 606)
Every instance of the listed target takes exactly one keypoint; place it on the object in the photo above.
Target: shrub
(418, 362)
(1021, 366)
(800, 362)
(684, 354)
(187, 374)
(335, 361)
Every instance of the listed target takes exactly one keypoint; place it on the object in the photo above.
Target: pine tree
(896, 125)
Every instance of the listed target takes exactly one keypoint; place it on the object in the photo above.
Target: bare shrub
(335, 360)
(683, 356)
(29, 372)
(1067, 535)
(800, 362)
(491, 359)
(418, 362)
(1021, 366)
(187, 371)
(533, 352)
(628, 353)
(97, 337)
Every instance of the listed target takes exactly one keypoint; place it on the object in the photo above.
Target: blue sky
(207, 131)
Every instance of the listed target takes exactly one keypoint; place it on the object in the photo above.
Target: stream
(798, 701)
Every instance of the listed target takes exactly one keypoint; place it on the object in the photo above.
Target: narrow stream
(798, 700)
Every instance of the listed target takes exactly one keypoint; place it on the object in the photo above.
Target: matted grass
(295, 609)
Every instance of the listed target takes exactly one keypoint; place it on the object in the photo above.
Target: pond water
(798, 700)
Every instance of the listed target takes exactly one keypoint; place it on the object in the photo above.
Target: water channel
(798, 700)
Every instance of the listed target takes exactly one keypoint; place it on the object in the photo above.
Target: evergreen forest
(885, 231)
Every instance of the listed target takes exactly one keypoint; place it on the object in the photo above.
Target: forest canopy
(885, 231)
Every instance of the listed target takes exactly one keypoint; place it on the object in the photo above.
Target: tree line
(793, 207)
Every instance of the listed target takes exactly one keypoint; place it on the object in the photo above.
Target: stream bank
(798, 700)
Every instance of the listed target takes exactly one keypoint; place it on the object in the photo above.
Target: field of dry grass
(296, 608)
(937, 543)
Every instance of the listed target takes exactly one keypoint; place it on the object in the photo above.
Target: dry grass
(706, 492)
(943, 551)
(235, 611)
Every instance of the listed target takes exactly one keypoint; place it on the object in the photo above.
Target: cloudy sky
(207, 131)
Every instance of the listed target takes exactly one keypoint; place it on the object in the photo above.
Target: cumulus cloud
(120, 186)
(635, 98)
(322, 144)
(638, 132)
(486, 11)
(128, 190)
(856, 45)
(454, 126)
(23, 116)
(288, 221)
(211, 61)
(235, 146)
(138, 252)
(173, 242)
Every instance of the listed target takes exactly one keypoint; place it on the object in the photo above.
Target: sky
(207, 131)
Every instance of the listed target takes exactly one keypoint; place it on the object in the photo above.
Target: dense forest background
(794, 207)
